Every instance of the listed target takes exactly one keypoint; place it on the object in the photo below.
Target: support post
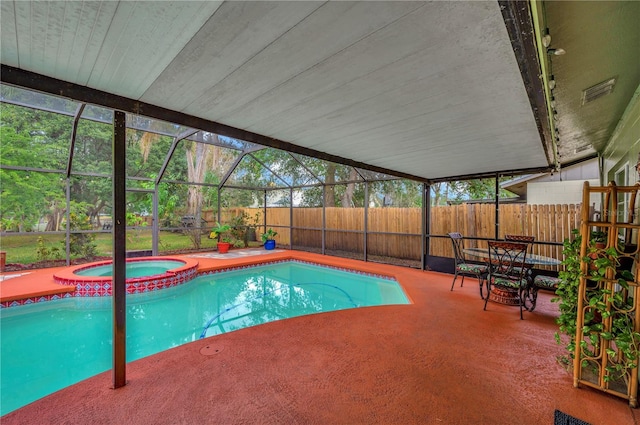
(290, 218)
(155, 224)
(497, 232)
(324, 218)
(426, 223)
(119, 249)
(219, 206)
(67, 240)
(366, 217)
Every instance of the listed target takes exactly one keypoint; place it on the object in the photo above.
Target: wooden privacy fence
(345, 226)
(547, 223)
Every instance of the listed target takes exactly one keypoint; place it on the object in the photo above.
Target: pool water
(48, 346)
(134, 269)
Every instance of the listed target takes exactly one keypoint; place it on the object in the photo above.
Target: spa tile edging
(31, 300)
(102, 287)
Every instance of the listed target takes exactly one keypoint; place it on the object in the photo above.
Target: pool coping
(101, 286)
(70, 272)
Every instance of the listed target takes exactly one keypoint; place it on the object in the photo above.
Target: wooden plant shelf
(595, 355)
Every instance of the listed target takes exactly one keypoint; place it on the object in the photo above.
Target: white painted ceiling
(429, 89)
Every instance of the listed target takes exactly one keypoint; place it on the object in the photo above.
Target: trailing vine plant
(602, 305)
(567, 296)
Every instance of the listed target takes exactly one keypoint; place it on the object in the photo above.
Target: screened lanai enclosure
(180, 182)
(361, 129)
(57, 195)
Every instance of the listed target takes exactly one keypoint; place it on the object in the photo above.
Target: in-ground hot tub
(143, 275)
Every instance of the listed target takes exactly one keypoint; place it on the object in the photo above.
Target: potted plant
(567, 292)
(267, 239)
(219, 231)
(605, 312)
(597, 244)
(599, 239)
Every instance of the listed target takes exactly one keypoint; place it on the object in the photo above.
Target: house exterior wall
(624, 146)
(587, 170)
(558, 192)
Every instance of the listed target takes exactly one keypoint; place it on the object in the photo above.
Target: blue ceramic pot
(270, 244)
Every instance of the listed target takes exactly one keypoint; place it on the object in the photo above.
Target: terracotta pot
(223, 247)
(595, 255)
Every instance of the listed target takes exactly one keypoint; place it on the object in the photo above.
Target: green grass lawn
(23, 249)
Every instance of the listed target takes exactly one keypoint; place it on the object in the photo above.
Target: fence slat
(547, 223)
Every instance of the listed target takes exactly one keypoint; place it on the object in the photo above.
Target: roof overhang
(422, 90)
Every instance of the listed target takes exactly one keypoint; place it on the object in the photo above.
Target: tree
(26, 195)
(347, 199)
(402, 193)
(201, 157)
(463, 190)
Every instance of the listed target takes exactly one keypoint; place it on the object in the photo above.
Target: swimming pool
(133, 268)
(143, 274)
(50, 345)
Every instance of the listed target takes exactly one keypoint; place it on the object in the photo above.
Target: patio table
(511, 297)
(532, 259)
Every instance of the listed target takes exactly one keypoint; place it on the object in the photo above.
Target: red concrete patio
(440, 360)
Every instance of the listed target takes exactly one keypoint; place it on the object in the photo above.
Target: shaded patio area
(347, 127)
(440, 360)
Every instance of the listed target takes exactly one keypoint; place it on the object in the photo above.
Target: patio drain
(210, 350)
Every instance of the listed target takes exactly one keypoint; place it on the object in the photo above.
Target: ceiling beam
(492, 174)
(519, 24)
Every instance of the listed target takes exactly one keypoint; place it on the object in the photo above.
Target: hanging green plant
(603, 309)
(567, 296)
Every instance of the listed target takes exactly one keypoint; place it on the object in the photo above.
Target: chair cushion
(519, 270)
(547, 282)
(509, 283)
(472, 268)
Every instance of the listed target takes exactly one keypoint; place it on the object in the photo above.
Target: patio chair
(521, 238)
(463, 268)
(539, 282)
(508, 270)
